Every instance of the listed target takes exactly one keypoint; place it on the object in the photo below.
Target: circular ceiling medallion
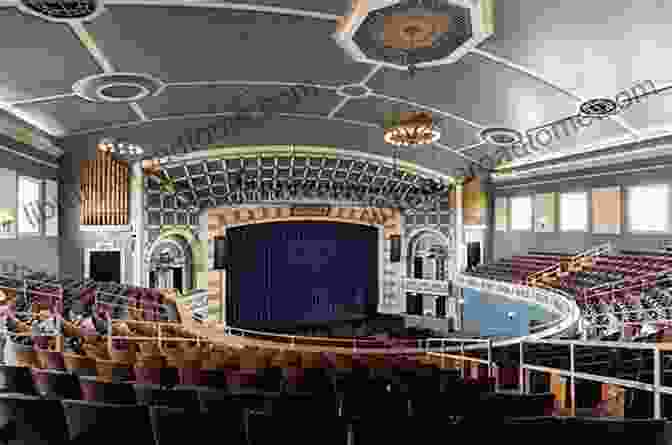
(63, 10)
(501, 136)
(118, 87)
(354, 91)
(599, 108)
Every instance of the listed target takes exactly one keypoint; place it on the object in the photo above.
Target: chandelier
(417, 129)
(119, 147)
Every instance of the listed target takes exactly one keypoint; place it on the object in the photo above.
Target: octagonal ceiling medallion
(403, 33)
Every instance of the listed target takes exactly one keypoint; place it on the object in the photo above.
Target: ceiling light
(599, 108)
(417, 129)
(63, 11)
(122, 147)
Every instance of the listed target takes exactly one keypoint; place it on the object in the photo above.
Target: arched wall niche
(180, 243)
(424, 240)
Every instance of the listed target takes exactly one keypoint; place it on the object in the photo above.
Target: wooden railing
(570, 264)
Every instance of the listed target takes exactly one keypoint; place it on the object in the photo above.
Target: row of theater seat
(359, 401)
(297, 420)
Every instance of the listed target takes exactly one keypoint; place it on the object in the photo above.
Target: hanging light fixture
(122, 148)
(416, 129)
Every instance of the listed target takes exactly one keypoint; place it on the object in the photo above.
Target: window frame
(530, 222)
(587, 203)
(628, 209)
(45, 182)
(20, 207)
(505, 227)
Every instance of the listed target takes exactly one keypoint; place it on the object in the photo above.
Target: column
(461, 249)
(137, 210)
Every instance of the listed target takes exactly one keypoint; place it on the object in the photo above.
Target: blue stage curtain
(283, 272)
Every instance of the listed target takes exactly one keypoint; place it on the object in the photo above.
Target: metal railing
(657, 388)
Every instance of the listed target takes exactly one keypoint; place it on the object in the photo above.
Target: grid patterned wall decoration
(163, 209)
(288, 177)
(441, 218)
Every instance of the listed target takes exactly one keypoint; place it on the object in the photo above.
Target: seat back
(177, 397)
(264, 429)
(91, 422)
(649, 431)
(107, 392)
(56, 384)
(32, 420)
(174, 425)
(16, 379)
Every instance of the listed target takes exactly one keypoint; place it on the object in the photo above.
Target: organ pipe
(104, 185)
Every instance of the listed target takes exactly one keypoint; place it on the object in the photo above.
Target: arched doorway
(428, 255)
(169, 264)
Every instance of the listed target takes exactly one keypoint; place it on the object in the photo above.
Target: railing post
(489, 357)
(656, 384)
(444, 354)
(521, 381)
(462, 373)
(293, 341)
(572, 386)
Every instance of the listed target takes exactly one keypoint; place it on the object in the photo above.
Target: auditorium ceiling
(194, 59)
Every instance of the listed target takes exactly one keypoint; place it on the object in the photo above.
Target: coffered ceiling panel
(38, 58)
(653, 112)
(591, 48)
(337, 7)
(473, 89)
(76, 114)
(566, 138)
(212, 44)
(213, 98)
(454, 133)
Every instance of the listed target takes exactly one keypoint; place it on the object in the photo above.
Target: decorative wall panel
(104, 186)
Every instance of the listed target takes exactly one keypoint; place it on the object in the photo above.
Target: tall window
(50, 208)
(574, 211)
(29, 217)
(648, 208)
(521, 213)
(7, 203)
(501, 214)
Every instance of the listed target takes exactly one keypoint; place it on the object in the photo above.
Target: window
(573, 211)
(50, 208)
(29, 217)
(501, 214)
(521, 213)
(7, 203)
(648, 208)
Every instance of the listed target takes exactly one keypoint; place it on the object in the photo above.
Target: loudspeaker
(473, 254)
(395, 248)
(221, 252)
